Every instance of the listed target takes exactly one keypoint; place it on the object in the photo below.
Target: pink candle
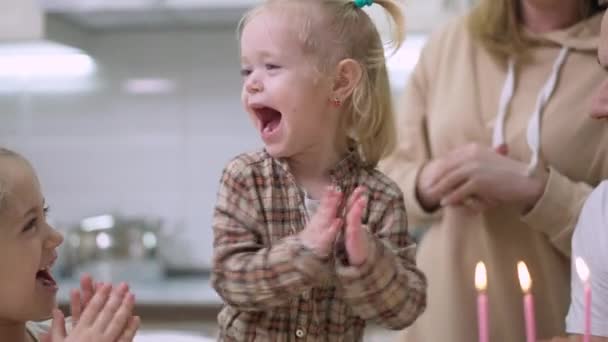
(529, 316)
(584, 274)
(526, 283)
(482, 301)
(587, 336)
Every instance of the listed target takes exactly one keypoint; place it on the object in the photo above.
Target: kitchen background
(129, 110)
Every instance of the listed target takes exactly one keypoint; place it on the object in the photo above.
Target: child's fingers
(119, 321)
(356, 241)
(95, 306)
(111, 307)
(75, 306)
(329, 205)
(333, 207)
(129, 332)
(333, 230)
(46, 338)
(356, 212)
(354, 197)
(58, 326)
(353, 218)
(88, 289)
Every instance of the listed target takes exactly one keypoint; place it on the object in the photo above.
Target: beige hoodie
(452, 100)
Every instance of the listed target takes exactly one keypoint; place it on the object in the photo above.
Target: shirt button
(299, 333)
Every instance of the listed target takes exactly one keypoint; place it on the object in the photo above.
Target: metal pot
(113, 248)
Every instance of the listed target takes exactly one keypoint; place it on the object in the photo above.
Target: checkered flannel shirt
(275, 289)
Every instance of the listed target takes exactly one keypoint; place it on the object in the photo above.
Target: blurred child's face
(284, 93)
(27, 247)
(599, 105)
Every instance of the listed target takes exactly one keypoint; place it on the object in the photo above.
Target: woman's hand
(481, 174)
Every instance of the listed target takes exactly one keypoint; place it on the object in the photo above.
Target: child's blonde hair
(4, 191)
(339, 30)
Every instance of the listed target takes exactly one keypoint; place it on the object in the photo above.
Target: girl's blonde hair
(4, 191)
(334, 30)
(497, 25)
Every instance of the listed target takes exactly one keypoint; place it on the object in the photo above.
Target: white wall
(103, 150)
(20, 20)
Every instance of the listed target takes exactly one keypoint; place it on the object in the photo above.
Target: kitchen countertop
(183, 308)
(186, 291)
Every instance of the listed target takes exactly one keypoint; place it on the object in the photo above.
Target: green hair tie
(363, 3)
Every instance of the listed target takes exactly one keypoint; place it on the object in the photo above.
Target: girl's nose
(54, 239)
(254, 86)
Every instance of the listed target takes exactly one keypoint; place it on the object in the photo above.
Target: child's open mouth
(270, 120)
(45, 279)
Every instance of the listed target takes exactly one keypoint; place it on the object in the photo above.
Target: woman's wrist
(538, 183)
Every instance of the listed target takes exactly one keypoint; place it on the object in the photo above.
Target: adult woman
(476, 170)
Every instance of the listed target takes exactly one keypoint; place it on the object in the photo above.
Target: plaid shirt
(275, 289)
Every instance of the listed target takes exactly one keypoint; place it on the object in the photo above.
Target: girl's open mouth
(270, 120)
(44, 278)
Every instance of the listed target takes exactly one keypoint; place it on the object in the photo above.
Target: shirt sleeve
(247, 274)
(590, 242)
(388, 288)
(558, 209)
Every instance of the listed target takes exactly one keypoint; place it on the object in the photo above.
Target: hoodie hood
(582, 36)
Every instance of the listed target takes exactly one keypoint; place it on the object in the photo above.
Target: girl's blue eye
(245, 72)
(46, 210)
(272, 66)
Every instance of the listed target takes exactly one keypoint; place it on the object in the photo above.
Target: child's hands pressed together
(106, 318)
(356, 240)
(320, 233)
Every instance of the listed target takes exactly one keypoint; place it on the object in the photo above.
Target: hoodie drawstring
(534, 127)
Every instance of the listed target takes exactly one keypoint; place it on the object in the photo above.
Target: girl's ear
(348, 74)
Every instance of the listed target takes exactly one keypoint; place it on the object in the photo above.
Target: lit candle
(526, 283)
(584, 273)
(482, 301)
